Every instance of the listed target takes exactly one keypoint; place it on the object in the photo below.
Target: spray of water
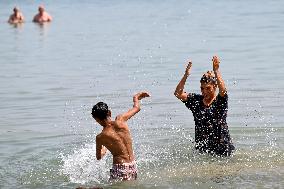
(82, 167)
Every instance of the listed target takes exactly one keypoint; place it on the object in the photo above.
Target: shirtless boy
(42, 16)
(116, 138)
(209, 111)
(17, 17)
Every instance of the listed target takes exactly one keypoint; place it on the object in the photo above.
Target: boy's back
(117, 139)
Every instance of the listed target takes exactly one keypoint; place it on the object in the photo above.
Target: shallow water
(51, 75)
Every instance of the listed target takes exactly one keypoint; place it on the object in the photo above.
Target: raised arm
(179, 93)
(136, 106)
(220, 81)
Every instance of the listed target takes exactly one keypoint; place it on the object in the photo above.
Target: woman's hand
(188, 68)
(216, 63)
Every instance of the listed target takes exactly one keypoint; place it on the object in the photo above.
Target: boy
(116, 137)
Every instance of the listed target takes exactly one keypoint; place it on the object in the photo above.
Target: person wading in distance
(42, 16)
(17, 17)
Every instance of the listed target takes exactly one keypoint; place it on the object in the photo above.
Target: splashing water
(82, 166)
(169, 160)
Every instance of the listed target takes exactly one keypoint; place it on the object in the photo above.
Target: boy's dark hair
(208, 78)
(100, 111)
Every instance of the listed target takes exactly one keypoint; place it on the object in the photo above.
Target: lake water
(52, 75)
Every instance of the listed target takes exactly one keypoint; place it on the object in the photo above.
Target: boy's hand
(141, 95)
(103, 151)
(216, 63)
(188, 68)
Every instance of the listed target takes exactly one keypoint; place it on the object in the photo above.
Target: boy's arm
(220, 81)
(179, 93)
(100, 149)
(136, 106)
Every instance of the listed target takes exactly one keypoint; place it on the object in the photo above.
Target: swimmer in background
(17, 17)
(42, 16)
(116, 138)
(209, 111)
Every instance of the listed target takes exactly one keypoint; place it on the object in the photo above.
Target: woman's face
(208, 90)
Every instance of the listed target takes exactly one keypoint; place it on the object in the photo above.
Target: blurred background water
(51, 75)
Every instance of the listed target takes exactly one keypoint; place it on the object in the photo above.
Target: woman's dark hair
(100, 111)
(208, 77)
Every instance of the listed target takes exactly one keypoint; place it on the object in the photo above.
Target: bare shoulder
(99, 136)
(223, 94)
(119, 122)
(102, 138)
(47, 15)
(119, 117)
(35, 17)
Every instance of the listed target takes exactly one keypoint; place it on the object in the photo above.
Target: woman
(209, 111)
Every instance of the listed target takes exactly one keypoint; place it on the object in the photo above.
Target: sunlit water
(51, 75)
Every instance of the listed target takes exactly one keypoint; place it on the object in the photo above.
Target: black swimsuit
(211, 129)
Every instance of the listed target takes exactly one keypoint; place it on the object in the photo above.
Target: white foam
(82, 166)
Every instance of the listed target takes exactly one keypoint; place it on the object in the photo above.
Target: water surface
(52, 74)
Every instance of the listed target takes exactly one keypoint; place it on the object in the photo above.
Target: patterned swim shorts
(125, 171)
